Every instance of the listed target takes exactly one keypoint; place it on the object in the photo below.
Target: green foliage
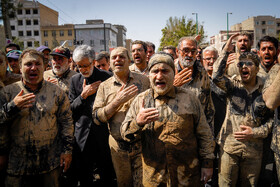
(179, 27)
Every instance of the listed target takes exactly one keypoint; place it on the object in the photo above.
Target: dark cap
(14, 54)
(61, 51)
(42, 48)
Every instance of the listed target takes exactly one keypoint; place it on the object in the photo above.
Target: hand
(146, 115)
(24, 101)
(183, 77)
(54, 81)
(125, 94)
(206, 174)
(245, 134)
(229, 46)
(65, 159)
(231, 59)
(90, 89)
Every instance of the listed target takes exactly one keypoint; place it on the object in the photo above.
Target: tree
(179, 27)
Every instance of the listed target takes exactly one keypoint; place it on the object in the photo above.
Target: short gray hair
(83, 51)
(190, 38)
(210, 48)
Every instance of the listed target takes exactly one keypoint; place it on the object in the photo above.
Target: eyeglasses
(84, 66)
(241, 64)
(187, 51)
(209, 59)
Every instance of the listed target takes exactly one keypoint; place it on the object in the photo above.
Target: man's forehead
(188, 43)
(137, 46)
(118, 52)
(31, 57)
(161, 65)
(266, 43)
(243, 37)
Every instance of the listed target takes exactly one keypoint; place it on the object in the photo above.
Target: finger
(147, 110)
(186, 80)
(143, 104)
(84, 83)
(20, 93)
(28, 97)
(122, 87)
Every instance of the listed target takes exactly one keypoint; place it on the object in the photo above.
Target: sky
(144, 19)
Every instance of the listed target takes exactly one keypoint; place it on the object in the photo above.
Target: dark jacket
(82, 108)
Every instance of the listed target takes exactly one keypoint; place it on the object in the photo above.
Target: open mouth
(245, 73)
(33, 75)
(243, 48)
(160, 84)
(137, 58)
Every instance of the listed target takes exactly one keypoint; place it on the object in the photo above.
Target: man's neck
(123, 77)
(142, 66)
(267, 69)
(251, 85)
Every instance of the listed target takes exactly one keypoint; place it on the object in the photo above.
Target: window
(28, 22)
(35, 22)
(263, 31)
(91, 42)
(20, 22)
(46, 43)
(20, 33)
(36, 33)
(29, 44)
(101, 42)
(53, 33)
(27, 11)
(28, 33)
(257, 23)
(70, 43)
(69, 32)
(278, 24)
(19, 11)
(13, 27)
(270, 22)
(45, 33)
(263, 22)
(61, 33)
(35, 11)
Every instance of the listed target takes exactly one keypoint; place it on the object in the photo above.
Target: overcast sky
(144, 19)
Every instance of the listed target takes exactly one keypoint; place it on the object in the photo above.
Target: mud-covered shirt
(239, 111)
(37, 135)
(64, 81)
(174, 146)
(134, 68)
(106, 94)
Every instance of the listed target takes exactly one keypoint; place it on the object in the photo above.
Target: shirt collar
(170, 94)
(29, 89)
(117, 80)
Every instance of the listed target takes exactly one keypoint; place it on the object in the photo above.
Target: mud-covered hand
(24, 101)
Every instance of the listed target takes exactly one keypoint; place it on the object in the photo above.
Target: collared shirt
(174, 145)
(64, 81)
(200, 85)
(105, 95)
(239, 111)
(40, 134)
(134, 68)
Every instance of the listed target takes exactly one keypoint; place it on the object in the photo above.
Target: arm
(66, 128)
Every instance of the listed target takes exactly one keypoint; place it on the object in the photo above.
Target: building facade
(121, 36)
(29, 18)
(261, 26)
(53, 36)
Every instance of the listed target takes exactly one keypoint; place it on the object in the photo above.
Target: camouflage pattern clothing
(200, 85)
(178, 144)
(64, 81)
(134, 68)
(37, 135)
(239, 112)
(122, 159)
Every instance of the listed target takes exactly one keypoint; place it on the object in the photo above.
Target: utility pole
(227, 24)
(196, 18)
(104, 37)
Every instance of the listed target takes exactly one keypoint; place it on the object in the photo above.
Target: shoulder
(72, 73)
(48, 73)
(107, 82)
(102, 73)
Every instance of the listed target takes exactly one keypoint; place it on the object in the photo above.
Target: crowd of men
(184, 116)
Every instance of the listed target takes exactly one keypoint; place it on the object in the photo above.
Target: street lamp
(196, 22)
(227, 24)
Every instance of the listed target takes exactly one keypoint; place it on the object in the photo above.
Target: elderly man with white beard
(91, 150)
(60, 73)
(191, 74)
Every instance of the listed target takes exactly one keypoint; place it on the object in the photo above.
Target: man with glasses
(91, 150)
(240, 160)
(139, 56)
(60, 73)
(190, 74)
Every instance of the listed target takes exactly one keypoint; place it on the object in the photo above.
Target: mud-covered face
(248, 70)
(267, 54)
(60, 64)
(161, 78)
(187, 53)
(209, 58)
(243, 44)
(119, 61)
(138, 54)
(32, 68)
